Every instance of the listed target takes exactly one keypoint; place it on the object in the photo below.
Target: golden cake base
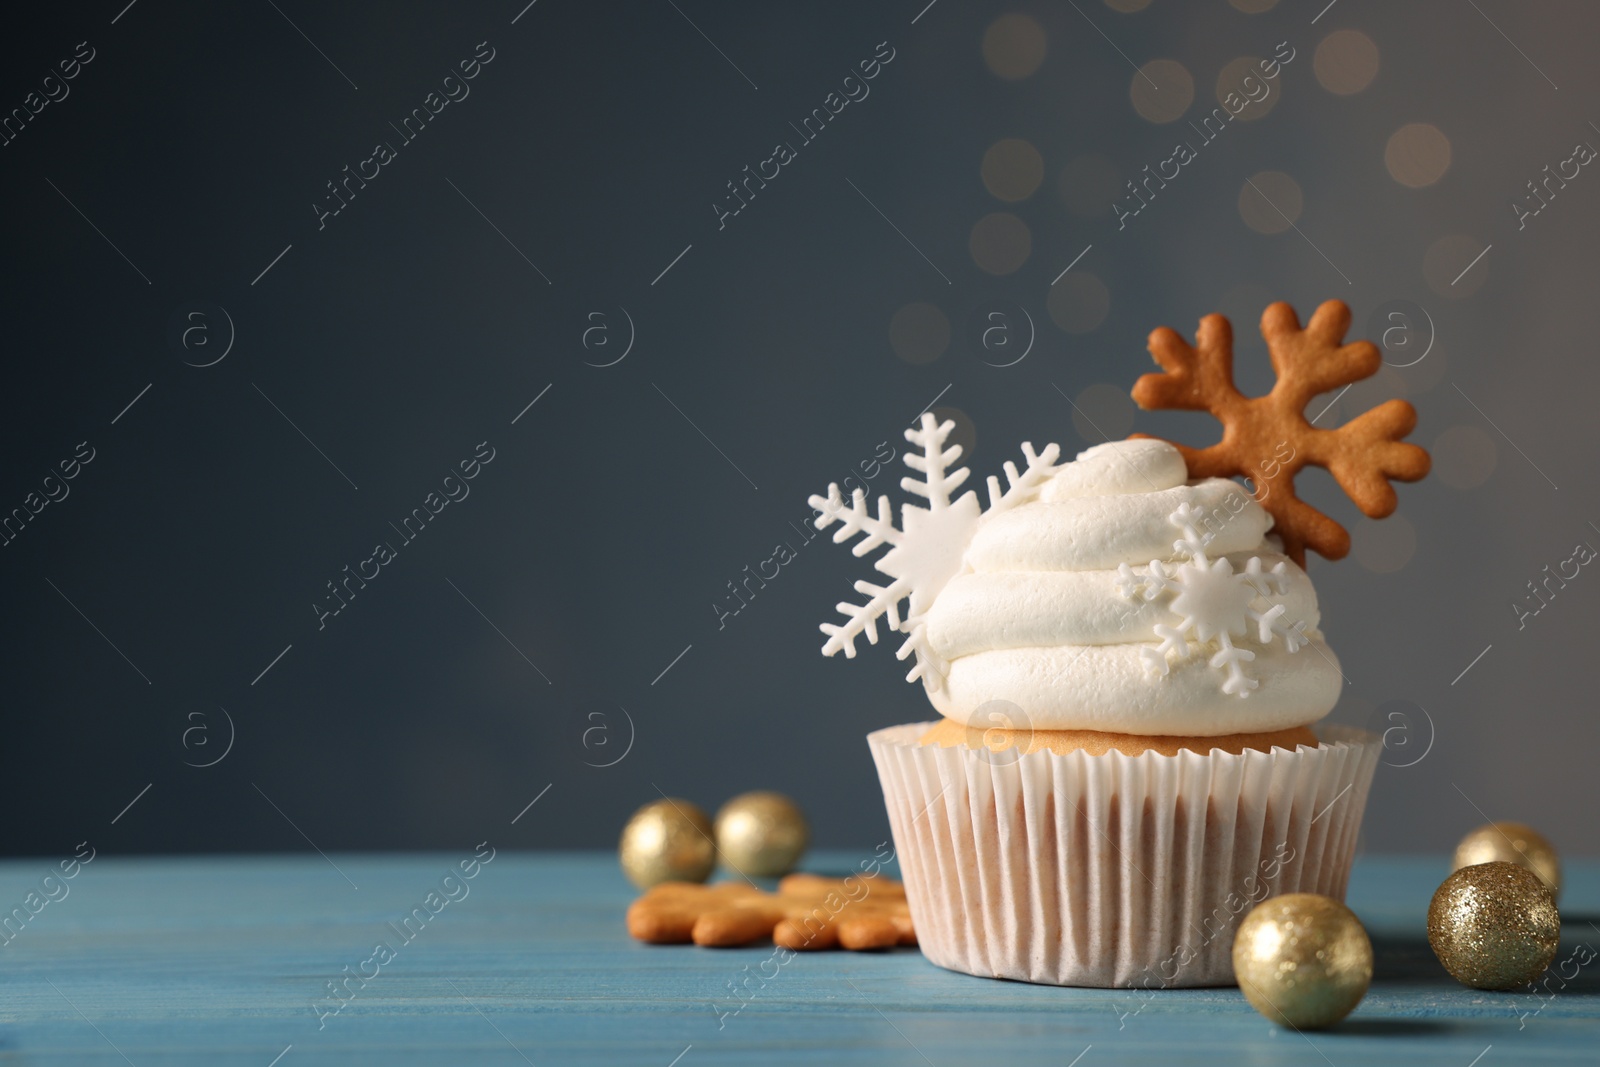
(948, 733)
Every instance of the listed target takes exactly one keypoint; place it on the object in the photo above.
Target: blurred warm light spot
(1253, 94)
(1103, 413)
(1162, 90)
(1270, 202)
(1384, 545)
(1418, 154)
(1013, 46)
(1089, 184)
(1000, 243)
(1079, 302)
(1242, 305)
(964, 433)
(1012, 169)
(1464, 457)
(1346, 62)
(1452, 265)
(1428, 374)
(919, 333)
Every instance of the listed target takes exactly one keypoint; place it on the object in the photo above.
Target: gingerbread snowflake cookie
(1271, 432)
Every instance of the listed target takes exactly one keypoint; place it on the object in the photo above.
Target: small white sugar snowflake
(927, 550)
(1213, 604)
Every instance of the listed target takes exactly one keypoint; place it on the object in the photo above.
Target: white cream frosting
(1045, 616)
(1141, 465)
(1036, 609)
(1098, 532)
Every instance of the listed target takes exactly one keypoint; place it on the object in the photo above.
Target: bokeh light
(1346, 62)
(1242, 304)
(1428, 374)
(1012, 169)
(1417, 155)
(1014, 46)
(1079, 302)
(964, 433)
(1000, 243)
(1270, 202)
(1245, 73)
(1384, 546)
(1103, 413)
(919, 333)
(1464, 456)
(1162, 90)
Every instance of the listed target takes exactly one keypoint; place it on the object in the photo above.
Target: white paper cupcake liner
(1113, 870)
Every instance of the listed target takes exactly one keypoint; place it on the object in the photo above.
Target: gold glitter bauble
(1302, 960)
(761, 834)
(667, 841)
(1512, 842)
(1494, 925)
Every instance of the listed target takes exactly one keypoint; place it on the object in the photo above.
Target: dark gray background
(412, 328)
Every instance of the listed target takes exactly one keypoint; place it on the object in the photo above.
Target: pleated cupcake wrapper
(1113, 870)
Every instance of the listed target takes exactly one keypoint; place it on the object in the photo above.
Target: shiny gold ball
(667, 841)
(761, 834)
(1512, 842)
(1302, 960)
(1494, 925)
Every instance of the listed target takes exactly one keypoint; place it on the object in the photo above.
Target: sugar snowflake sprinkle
(1213, 603)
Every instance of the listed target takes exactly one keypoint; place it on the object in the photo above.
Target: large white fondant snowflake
(929, 546)
(1213, 604)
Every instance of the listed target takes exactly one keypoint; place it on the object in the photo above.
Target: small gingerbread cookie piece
(856, 913)
(807, 912)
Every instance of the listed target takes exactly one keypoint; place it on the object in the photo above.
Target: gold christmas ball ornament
(1512, 842)
(761, 834)
(667, 841)
(1302, 960)
(1494, 925)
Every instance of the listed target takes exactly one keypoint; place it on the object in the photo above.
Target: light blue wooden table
(224, 961)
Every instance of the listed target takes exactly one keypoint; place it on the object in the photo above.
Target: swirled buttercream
(1125, 598)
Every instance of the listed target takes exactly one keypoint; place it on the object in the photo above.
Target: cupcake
(1129, 667)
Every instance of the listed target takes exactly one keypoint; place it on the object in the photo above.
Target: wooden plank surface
(221, 961)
